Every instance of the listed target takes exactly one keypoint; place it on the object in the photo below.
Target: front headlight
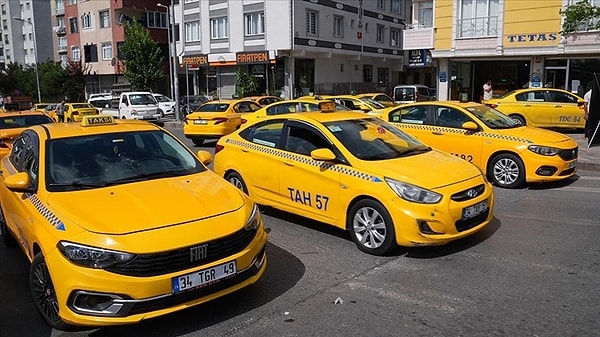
(254, 220)
(92, 257)
(413, 193)
(544, 150)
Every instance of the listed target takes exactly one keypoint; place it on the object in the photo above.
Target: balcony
(418, 38)
(59, 30)
(477, 27)
(62, 48)
(60, 11)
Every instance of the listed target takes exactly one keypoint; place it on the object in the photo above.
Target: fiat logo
(198, 253)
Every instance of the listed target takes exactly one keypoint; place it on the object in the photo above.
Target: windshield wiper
(146, 176)
(78, 184)
(417, 150)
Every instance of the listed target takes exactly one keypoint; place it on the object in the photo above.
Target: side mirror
(322, 154)
(470, 125)
(205, 157)
(18, 182)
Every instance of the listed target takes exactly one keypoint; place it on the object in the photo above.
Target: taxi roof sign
(98, 120)
(328, 106)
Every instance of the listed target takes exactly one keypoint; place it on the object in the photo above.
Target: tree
(142, 57)
(581, 16)
(246, 84)
(75, 82)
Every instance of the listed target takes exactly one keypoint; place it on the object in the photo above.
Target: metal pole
(174, 61)
(187, 81)
(35, 55)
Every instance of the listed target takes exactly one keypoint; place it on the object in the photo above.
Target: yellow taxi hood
(538, 136)
(141, 206)
(429, 170)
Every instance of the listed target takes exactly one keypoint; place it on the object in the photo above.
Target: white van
(410, 93)
(138, 105)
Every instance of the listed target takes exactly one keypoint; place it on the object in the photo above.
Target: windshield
(141, 99)
(21, 121)
(101, 160)
(375, 139)
(373, 103)
(493, 118)
(163, 99)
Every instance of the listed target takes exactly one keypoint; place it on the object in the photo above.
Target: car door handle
(438, 133)
(558, 106)
(526, 105)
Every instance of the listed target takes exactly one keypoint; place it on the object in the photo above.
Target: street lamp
(172, 57)
(35, 55)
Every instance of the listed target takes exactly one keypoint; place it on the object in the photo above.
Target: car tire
(7, 237)
(236, 180)
(519, 119)
(198, 142)
(507, 170)
(43, 293)
(162, 113)
(371, 227)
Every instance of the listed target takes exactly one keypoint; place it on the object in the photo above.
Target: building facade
(293, 47)
(510, 42)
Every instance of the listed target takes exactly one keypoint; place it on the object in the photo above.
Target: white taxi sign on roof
(98, 120)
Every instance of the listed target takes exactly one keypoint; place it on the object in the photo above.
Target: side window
(24, 155)
(18, 152)
(302, 141)
(415, 115)
(280, 109)
(562, 97)
(267, 134)
(450, 117)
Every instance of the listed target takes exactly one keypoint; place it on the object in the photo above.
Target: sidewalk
(589, 158)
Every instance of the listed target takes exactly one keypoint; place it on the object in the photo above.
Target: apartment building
(25, 28)
(294, 47)
(513, 43)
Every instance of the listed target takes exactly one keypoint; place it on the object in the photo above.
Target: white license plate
(203, 277)
(471, 211)
(201, 121)
(572, 164)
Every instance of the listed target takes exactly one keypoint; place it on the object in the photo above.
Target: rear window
(213, 107)
(404, 94)
(22, 121)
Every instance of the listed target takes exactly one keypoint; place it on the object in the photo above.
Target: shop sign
(195, 61)
(417, 58)
(443, 76)
(252, 57)
(532, 38)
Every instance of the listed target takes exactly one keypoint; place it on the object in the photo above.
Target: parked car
(74, 112)
(357, 173)
(379, 97)
(289, 106)
(263, 100)
(542, 107)
(190, 103)
(166, 106)
(12, 123)
(509, 153)
(101, 102)
(410, 93)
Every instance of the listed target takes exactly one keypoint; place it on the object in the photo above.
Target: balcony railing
(62, 48)
(478, 27)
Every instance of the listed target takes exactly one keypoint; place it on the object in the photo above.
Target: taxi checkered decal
(305, 160)
(45, 212)
(462, 131)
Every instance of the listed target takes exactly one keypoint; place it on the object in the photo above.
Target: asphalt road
(534, 271)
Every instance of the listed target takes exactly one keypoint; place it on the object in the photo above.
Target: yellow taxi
(124, 255)
(214, 119)
(74, 112)
(263, 100)
(364, 104)
(508, 152)
(379, 97)
(542, 107)
(289, 106)
(14, 122)
(358, 173)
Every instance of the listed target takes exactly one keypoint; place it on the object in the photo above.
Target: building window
(380, 33)
(62, 44)
(383, 76)
(71, 2)
(395, 37)
(192, 31)
(107, 51)
(426, 14)
(338, 26)
(255, 23)
(90, 53)
(5, 24)
(218, 28)
(73, 27)
(367, 73)
(396, 7)
(3, 9)
(381, 5)
(312, 23)
(478, 18)
(157, 20)
(86, 21)
(76, 53)
(60, 22)
(104, 19)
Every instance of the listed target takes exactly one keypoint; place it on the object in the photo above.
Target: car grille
(470, 193)
(145, 265)
(567, 155)
(463, 225)
(186, 296)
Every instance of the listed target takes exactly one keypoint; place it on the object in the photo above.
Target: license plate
(203, 277)
(201, 121)
(471, 211)
(572, 164)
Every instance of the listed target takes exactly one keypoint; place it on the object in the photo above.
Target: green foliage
(246, 84)
(581, 16)
(142, 57)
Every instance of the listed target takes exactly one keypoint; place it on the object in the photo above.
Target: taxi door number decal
(317, 201)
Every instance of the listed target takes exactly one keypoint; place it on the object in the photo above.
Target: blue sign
(443, 76)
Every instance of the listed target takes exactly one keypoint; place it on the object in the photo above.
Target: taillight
(75, 112)
(244, 120)
(185, 120)
(581, 105)
(493, 106)
(220, 120)
(416, 96)
(218, 148)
